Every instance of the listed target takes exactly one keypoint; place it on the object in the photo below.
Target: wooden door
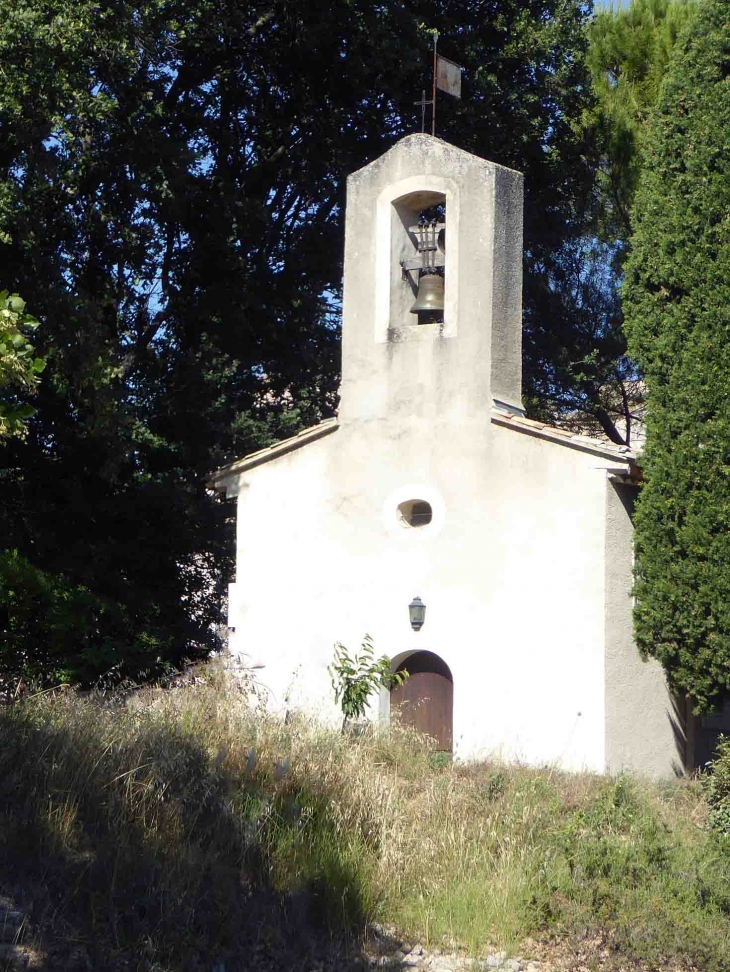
(426, 699)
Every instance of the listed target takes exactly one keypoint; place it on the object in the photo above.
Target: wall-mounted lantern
(417, 613)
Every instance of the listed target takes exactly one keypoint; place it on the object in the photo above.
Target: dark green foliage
(42, 613)
(657, 894)
(677, 301)
(596, 848)
(590, 374)
(630, 47)
(171, 198)
(717, 788)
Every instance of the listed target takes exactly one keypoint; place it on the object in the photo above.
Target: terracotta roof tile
(586, 443)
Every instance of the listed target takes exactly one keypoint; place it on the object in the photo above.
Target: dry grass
(183, 824)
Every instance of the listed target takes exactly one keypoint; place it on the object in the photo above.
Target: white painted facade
(525, 567)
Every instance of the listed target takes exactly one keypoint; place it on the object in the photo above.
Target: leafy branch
(19, 367)
(355, 677)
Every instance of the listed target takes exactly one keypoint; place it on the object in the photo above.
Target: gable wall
(511, 570)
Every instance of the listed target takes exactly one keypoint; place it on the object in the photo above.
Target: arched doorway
(426, 699)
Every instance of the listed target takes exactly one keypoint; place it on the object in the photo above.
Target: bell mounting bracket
(429, 255)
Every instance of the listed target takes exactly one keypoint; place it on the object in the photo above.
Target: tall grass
(184, 825)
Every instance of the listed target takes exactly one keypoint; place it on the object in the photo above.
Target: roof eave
(220, 480)
(563, 437)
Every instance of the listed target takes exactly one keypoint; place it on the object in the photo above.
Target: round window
(415, 513)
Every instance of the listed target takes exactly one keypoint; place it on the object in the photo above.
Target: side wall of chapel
(645, 726)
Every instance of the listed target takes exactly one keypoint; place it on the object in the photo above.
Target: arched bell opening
(425, 700)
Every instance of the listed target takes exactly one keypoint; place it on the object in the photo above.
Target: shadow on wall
(678, 718)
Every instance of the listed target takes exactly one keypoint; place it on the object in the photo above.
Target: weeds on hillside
(183, 824)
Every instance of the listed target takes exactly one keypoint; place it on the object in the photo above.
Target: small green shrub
(355, 677)
(717, 788)
(439, 760)
(495, 786)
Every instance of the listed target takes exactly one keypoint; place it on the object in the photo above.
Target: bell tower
(432, 314)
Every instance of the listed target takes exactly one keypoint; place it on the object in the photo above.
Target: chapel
(487, 554)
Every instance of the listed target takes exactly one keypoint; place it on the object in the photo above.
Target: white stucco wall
(510, 569)
(645, 726)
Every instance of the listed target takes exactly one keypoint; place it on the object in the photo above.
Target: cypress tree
(677, 306)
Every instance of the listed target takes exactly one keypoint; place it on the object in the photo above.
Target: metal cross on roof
(423, 103)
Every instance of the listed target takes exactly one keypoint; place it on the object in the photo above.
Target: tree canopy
(628, 55)
(171, 199)
(677, 302)
(596, 386)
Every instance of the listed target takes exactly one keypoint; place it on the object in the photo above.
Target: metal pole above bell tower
(433, 94)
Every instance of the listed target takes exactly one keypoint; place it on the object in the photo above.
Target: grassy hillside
(179, 828)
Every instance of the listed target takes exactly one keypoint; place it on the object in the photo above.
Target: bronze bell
(430, 296)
